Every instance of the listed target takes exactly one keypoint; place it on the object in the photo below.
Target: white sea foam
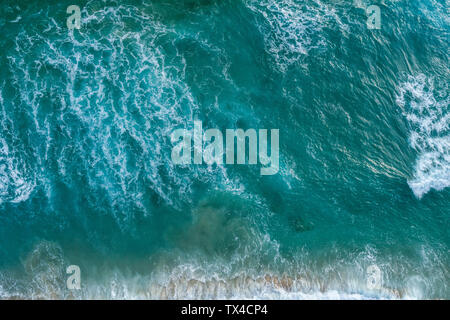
(292, 28)
(172, 275)
(16, 185)
(427, 111)
(194, 281)
(132, 95)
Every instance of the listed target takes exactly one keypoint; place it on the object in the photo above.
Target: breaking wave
(427, 111)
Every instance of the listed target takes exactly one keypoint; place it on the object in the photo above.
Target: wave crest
(427, 112)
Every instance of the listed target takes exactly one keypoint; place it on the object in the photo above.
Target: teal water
(86, 176)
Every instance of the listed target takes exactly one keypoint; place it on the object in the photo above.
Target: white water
(427, 112)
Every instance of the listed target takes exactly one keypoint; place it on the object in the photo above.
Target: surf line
(209, 147)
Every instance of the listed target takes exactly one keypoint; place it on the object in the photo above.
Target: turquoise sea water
(86, 176)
